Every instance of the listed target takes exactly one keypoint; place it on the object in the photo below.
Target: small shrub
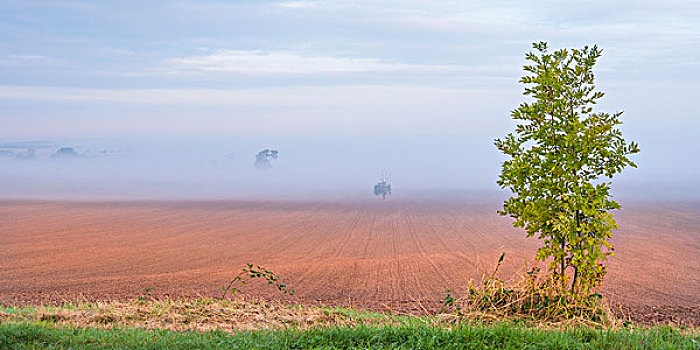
(252, 272)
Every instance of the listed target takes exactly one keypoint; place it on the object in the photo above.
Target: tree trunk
(562, 272)
(578, 225)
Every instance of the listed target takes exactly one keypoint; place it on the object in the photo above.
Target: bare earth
(397, 255)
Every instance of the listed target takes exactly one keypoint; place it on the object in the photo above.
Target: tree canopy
(562, 158)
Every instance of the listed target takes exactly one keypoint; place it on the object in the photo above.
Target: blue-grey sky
(391, 73)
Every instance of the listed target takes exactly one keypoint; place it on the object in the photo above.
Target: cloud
(297, 110)
(299, 4)
(21, 59)
(306, 96)
(289, 62)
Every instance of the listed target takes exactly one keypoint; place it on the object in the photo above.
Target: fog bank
(223, 168)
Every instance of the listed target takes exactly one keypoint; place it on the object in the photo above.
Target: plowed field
(394, 254)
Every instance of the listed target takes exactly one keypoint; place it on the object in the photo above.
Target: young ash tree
(562, 157)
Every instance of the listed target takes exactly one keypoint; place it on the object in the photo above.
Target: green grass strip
(43, 335)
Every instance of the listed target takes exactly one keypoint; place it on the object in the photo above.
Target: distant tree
(383, 187)
(562, 157)
(27, 154)
(65, 152)
(263, 158)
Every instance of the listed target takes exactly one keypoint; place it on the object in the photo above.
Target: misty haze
(211, 165)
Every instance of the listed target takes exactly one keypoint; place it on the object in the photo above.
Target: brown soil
(398, 255)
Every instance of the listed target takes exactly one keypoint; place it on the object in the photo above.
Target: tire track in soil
(395, 271)
(450, 231)
(420, 246)
(458, 274)
(336, 251)
(365, 255)
(339, 285)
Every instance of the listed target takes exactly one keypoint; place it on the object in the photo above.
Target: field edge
(21, 335)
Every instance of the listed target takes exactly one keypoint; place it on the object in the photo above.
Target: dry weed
(198, 314)
(530, 298)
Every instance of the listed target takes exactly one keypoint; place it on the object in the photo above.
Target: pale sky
(312, 70)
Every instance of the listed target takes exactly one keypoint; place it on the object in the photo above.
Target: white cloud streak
(301, 110)
(299, 4)
(288, 62)
(21, 59)
(299, 96)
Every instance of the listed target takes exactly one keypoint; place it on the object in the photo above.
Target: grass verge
(43, 335)
(241, 324)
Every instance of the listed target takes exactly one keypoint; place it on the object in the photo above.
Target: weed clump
(530, 297)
